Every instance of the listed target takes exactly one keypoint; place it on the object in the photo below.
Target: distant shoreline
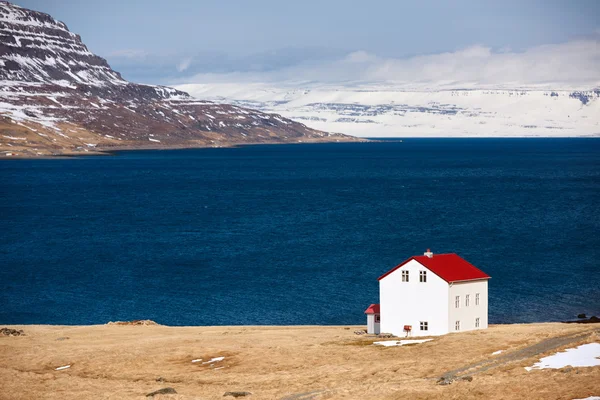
(115, 150)
(589, 320)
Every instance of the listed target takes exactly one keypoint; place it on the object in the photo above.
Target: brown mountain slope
(56, 97)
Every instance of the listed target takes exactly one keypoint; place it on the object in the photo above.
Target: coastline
(113, 150)
(289, 362)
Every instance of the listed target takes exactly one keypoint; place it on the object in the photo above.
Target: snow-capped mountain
(57, 97)
(388, 111)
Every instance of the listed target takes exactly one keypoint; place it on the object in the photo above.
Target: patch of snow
(497, 352)
(197, 360)
(215, 359)
(14, 138)
(63, 367)
(586, 355)
(64, 83)
(391, 343)
(153, 140)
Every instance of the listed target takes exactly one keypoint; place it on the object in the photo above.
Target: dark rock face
(591, 320)
(581, 316)
(36, 47)
(585, 96)
(57, 97)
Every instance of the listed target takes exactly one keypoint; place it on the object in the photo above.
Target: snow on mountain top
(39, 48)
(14, 14)
(389, 111)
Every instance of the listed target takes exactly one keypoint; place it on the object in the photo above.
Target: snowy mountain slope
(56, 97)
(380, 111)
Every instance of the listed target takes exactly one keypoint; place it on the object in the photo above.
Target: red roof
(373, 309)
(450, 267)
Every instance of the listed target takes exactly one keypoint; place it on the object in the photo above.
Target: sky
(179, 41)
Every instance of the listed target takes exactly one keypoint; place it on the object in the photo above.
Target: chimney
(428, 253)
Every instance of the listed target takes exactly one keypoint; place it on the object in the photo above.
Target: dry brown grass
(123, 362)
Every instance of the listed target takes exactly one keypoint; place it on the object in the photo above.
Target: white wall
(409, 303)
(372, 326)
(466, 315)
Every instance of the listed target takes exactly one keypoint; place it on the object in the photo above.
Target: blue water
(296, 234)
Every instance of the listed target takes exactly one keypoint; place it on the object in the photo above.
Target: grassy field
(292, 363)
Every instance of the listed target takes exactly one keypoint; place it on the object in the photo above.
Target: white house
(432, 295)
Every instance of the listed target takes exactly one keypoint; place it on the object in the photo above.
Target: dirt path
(306, 395)
(517, 355)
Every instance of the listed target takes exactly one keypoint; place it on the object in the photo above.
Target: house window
(404, 276)
(378, 318)
(424, 326)
(467, 297)
(476, 322)
(476, 299)
(457, 326)
(422, 276)
(457, 302)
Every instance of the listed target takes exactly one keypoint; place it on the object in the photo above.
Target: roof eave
(471, 280)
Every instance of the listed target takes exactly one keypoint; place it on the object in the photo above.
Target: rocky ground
(131, 361)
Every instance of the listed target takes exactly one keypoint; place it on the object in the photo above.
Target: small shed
(373, 319)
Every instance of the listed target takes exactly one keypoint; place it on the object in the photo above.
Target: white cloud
(129, 53)
(571, 64)
(184, 64)
(360, 57)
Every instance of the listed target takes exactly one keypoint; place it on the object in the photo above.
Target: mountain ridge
(397, 111)
(58, 98)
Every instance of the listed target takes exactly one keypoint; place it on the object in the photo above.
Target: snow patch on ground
(497, 352)
(586, 355)
(213, 360)
(391, 343)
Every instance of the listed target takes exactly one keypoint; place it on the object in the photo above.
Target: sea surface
(296, 234)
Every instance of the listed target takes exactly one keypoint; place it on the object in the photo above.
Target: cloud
(574, 63)
(360, 57)
(184, 64)
(129, 53)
